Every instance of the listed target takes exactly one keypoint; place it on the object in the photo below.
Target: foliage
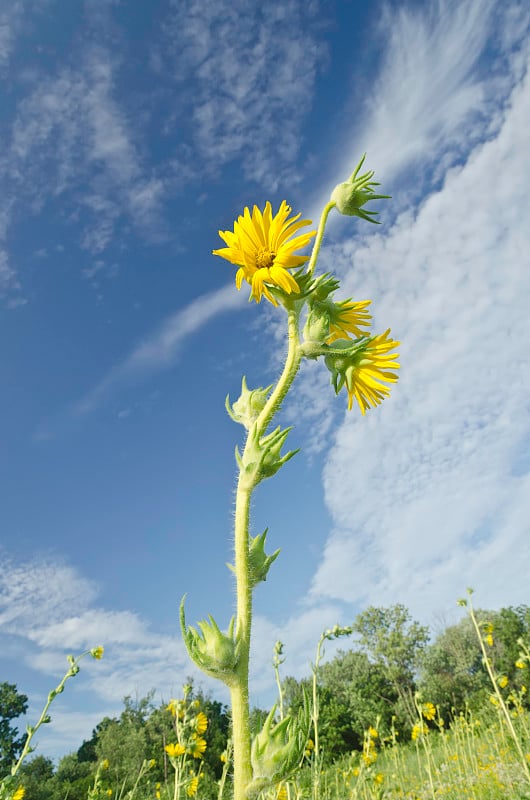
(12, 705)
(394, 641)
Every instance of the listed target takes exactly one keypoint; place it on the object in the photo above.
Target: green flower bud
(270, 446)
(258, 561)
(316, 328)
(277, 750)
(262, 457)
(349, 197)
(213, 651)
(249, 406)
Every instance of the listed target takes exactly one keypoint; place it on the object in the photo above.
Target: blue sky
(131, 133)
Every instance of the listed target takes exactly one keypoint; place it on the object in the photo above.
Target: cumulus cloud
(434, 493)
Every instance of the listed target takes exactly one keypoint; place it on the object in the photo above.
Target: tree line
(393, 664)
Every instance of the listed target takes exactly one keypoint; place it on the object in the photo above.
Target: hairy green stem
(320, 234)
(239, 689)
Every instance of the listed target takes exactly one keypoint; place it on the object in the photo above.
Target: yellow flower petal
(263, 246)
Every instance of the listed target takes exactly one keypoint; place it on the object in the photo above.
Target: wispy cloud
(160, 350)
(434, 493)
(244, 77)
(443, 85)
(47, 610)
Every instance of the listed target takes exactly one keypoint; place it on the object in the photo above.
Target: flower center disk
(265, 258)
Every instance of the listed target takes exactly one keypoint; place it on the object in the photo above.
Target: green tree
(37, 778)
(453, 675)
(12, 705)
(392, 639)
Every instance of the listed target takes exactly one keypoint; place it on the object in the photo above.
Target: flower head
(262, 246)
(428, 710)
(197, 746)
(19, 794)
(97, 652)
(174, 750)
(366, 372)
(201, 722)
(193, 785)
(348, 317)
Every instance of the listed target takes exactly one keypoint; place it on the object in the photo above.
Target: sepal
(258, 561)
(213, 651)
(247, 408)
(278, 749)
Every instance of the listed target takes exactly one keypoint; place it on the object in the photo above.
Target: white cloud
(445, 78)
(37, 593)
(244, 78)
(162, 347)
(434, 486)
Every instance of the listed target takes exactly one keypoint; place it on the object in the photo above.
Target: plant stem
(320, 234)
(239, 690)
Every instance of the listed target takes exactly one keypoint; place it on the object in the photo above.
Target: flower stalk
(262, 246)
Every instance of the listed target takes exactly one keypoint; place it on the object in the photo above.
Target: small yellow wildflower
(105, 764)
(372, 733)
(193, 785)
(503, 681)
(310, 746)
(109, 792)
(493, 700)
(19, 794)
(198, 746)
(201, 722)
(262, 246)
(379, 778)
(157, 791)
(428, 710)
(489, 639)
(520, 664)
(223, 757)
(97, 652)
(196, 704)
(174, 750)
(356, 772)
(282, 792)
(418, 730)
(369, 757)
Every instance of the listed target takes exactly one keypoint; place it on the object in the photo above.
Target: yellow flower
(157, 791)
(372, 733)
(489, 639)
(282, 792)
(193, 785)
(174, 750)
(418, 730)
(109, 792)
(105, 764)
(366, 373)
(503, 681)
(520, 664)
(198, 746)
(19, 794)
(379, 778)
(347, 317)
(223, 757)
(97, 652)
(262, 246)
(428, 710)
(201, 722)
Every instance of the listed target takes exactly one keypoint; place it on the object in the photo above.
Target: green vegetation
(394, 716)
